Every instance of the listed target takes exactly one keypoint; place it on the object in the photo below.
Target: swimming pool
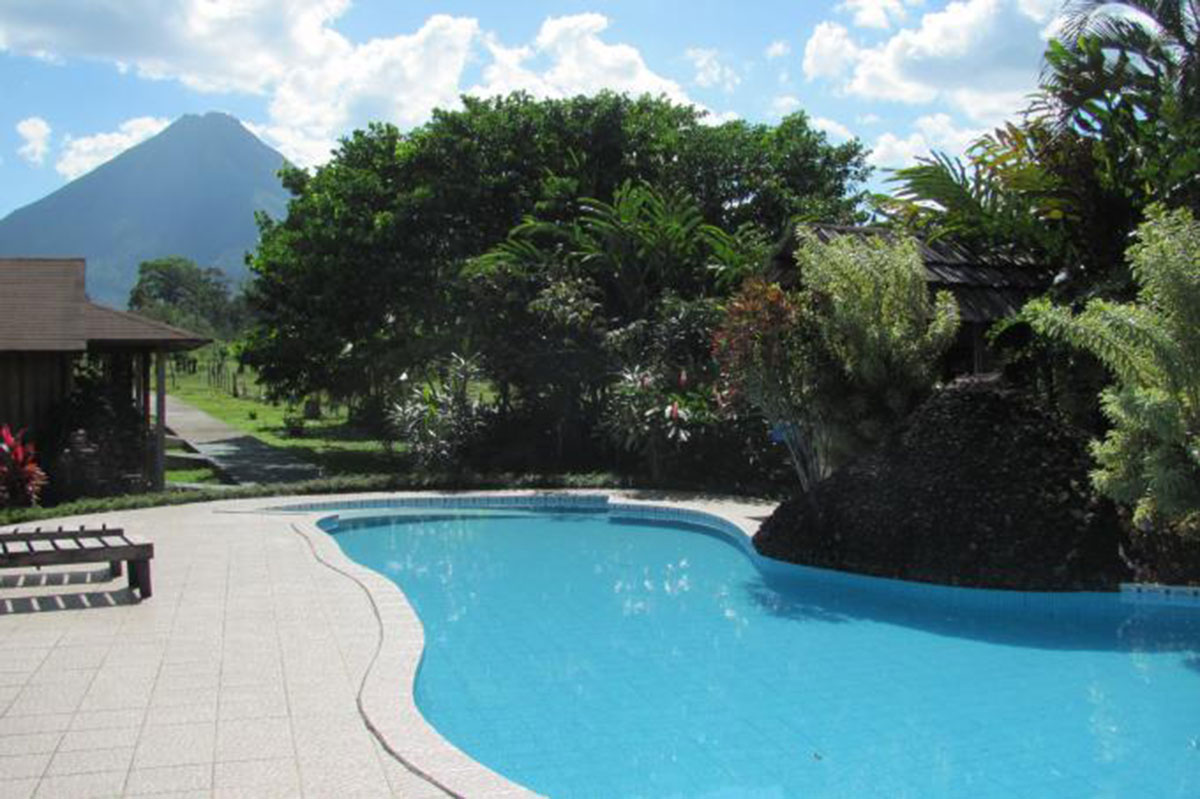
(589, 654)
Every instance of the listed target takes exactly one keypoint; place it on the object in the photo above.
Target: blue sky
(84, 79)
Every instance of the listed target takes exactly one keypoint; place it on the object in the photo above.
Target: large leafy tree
(337, 282)
(742, 173)
(1126, 75)
(360, 280)
(1156, 39)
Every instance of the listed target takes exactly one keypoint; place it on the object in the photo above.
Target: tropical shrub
(439, 419)
(645, 416)
(767, 360)
(880, 328)
(1150, 458)
(834, 366)
(623, 287)
(21, 479)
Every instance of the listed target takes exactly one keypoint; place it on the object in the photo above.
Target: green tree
(359, 282)
(1150, 459)
(768, 175)
(341, 285)
(177, 291)
(836, 365)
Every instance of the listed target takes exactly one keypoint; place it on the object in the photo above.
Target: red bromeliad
(21, 479)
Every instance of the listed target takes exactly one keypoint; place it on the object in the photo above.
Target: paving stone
(170, 779)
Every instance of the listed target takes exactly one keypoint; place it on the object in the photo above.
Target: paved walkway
(242, 457)
(238, 678)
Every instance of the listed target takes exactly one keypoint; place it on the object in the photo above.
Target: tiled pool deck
(266, 664)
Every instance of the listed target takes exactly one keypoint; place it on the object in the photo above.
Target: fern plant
(1150, 459)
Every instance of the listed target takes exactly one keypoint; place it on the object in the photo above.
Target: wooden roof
(43, 308)
(39, 304)
(108, 329)
(988, 286)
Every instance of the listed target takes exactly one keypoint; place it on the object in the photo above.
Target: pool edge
(386, 697)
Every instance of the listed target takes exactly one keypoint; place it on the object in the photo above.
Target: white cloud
(710, 71)
(35, 132)
(979, 56)
(990, 108)
(777, 49)
(400, 79)
(932, 132)
(579, 62)
(867, 119)
(81, 155)
(1044, 12)
(829, 52)
(878, 13)
(714, 118)
(783, 105)
(319, 84)
(832, 127)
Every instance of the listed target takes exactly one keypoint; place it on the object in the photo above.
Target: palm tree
(1126, 76)
(1161, 36)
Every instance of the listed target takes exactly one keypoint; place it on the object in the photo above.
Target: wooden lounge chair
(62, 547)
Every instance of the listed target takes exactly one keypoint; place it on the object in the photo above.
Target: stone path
(242, 457)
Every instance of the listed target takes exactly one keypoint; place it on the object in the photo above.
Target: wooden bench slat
(110, 545)
(59, 558)
(39, 535)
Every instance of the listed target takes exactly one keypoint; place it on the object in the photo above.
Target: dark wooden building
(47, 324)
(987, 286)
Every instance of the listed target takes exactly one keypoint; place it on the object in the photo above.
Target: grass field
(199, 476)
(330, 442)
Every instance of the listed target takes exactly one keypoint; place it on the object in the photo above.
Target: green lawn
(329, 442)
(203, 475)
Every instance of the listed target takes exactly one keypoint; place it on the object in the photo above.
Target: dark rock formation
(979, 488)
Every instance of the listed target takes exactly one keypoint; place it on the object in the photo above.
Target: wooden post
(160, 423)
(144, 395)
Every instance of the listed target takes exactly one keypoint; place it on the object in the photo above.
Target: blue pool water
(583, 656)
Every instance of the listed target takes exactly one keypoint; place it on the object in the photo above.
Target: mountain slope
(192, 190)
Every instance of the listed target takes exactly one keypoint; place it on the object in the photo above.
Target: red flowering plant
(769, 356)
(21, 479)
